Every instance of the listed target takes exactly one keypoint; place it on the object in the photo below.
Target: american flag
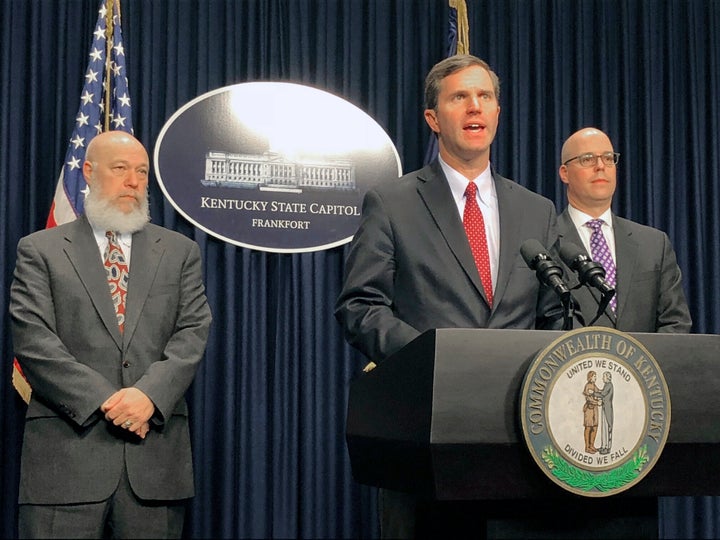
(91, 118)
(104, 106)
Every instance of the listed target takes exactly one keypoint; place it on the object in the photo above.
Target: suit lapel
(510, 236)
(147, 251)
(82, 250)
(568, 233)
(435, 193)
(626, 250)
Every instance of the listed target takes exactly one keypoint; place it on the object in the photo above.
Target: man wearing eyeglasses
(639, 261)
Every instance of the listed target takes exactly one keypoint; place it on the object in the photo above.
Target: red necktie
(118, 275)
(475, 230)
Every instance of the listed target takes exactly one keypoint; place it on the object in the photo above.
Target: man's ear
(431, 119)
(87, 171)
(562, 171)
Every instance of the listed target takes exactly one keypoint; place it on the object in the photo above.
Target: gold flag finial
(463, 27)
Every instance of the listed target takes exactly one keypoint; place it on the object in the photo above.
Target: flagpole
(107, 90)
(458, 43)
(463, 27)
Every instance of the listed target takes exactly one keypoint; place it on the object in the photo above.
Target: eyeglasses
(609, 159)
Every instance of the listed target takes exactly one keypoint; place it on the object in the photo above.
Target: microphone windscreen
(569, 252)
(530, 249)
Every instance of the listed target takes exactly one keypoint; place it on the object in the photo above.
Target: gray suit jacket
(649, 286)
(410, 267)
(67, 341)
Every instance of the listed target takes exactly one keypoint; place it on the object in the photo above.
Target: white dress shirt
(581, 218)
(487, 200)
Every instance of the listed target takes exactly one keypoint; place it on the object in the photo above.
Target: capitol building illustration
(273, 171)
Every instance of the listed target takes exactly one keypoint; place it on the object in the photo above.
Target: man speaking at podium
(440, 248)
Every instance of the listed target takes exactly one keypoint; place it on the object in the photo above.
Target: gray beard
(103, 215)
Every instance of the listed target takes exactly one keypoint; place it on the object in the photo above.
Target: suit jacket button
(126, 364)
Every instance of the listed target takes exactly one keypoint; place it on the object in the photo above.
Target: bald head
(111, 142)
(581, 139)
(590, 187)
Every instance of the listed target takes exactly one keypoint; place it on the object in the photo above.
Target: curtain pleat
(268, 405)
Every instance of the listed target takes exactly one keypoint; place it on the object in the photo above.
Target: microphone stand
(602, 305)
(568, 311)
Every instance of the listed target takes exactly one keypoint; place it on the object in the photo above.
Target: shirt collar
(580, 218)
(458, 183)
(125, 239)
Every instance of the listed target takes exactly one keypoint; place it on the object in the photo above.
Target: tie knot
(470, 190)
(112, 237)
(595, 224)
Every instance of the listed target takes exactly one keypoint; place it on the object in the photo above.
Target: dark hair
(447, 67)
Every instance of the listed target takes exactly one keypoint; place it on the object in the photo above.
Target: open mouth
(474, 127)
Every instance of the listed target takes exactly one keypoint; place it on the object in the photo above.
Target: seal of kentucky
(595, 411)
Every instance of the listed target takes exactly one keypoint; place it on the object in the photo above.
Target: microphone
(589, 272)
(547, 270)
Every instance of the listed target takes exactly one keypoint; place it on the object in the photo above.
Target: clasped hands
(131, 409)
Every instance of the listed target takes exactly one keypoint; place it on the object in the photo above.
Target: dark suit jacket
(410, 267)
(67, 340)
(649, 287)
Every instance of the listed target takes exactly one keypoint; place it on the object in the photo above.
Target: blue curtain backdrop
(268, 405)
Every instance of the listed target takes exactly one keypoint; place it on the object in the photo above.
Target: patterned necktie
(118, 275)
(600, 252)
(475, 229)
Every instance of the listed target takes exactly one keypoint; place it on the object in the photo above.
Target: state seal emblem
(595, 411)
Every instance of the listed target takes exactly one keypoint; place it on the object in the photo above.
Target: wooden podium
(440, 417)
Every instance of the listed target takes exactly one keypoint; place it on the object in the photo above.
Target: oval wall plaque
(273, 166)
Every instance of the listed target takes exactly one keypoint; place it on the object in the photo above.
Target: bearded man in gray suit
(106, 449)
(411, 266)
(650, 296)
